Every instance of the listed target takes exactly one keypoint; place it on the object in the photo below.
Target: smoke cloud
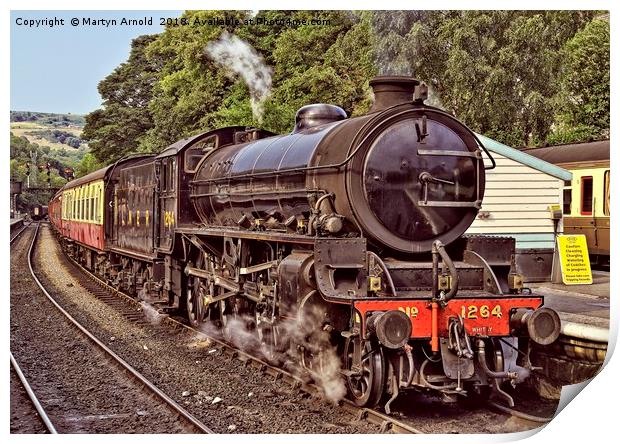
(325, 362)
(150, 313)
(240, 59)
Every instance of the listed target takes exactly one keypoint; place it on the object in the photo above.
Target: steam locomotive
(345, 235)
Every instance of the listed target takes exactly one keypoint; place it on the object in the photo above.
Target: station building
(523, 199)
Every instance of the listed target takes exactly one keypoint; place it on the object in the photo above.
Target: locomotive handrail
(486, 151)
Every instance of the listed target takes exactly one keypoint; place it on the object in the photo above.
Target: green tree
(190, 87)
(321, 64)
(584, 96)
(88, 164)
(118, 127)
(495, 70)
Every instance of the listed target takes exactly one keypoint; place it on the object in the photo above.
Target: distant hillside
(56, 131)
(48, 118)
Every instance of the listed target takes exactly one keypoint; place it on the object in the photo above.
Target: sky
(56, 69)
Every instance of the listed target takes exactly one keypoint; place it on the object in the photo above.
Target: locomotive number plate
(481, 311)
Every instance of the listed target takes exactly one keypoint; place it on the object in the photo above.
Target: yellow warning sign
(574, 259)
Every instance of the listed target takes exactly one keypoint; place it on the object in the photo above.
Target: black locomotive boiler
(351, 228)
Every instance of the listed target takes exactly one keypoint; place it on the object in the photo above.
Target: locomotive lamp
(393, 328)
(542, 325)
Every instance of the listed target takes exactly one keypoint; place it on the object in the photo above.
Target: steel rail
(519, 414)
(386, 423)
(33, 398)
(372, 416)
(132, 371)
(19, 233)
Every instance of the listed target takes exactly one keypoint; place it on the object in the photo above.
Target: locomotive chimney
(392, 90)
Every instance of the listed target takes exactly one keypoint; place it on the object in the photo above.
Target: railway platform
(580, 304)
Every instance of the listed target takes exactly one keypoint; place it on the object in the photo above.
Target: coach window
(92, 203)
(606, 193)
(87, 203)
(567, 200)
(97, 204)
(586, 195)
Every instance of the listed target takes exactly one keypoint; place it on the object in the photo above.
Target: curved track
(111, 296)
(386, 423)
(193, 425)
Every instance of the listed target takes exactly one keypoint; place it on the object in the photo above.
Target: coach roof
(573, 153)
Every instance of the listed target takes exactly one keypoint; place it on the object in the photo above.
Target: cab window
(170, 166)
(194, 154)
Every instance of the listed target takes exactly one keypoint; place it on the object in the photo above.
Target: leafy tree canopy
(522, 77)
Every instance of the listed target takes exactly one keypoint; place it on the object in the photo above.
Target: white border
(591, 418)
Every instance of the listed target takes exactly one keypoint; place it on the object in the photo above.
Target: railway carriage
(55, 210)
(38, 212)
(344, 235)
(587, 197)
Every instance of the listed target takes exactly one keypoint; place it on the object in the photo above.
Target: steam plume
(238, 57)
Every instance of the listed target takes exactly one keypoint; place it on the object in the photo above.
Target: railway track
(146, 390)
(16, 235)
(33, 398)
(130, 308)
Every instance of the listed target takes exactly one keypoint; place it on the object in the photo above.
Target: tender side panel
(135, 195)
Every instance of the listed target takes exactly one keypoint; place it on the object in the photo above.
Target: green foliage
(495, 70)
(88, 164)
(48, 118)
(584, 97)
(521, 77)
(117, 129)
(23, 152)
(58, 136)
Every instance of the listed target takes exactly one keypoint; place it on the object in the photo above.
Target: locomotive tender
(350, 228)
